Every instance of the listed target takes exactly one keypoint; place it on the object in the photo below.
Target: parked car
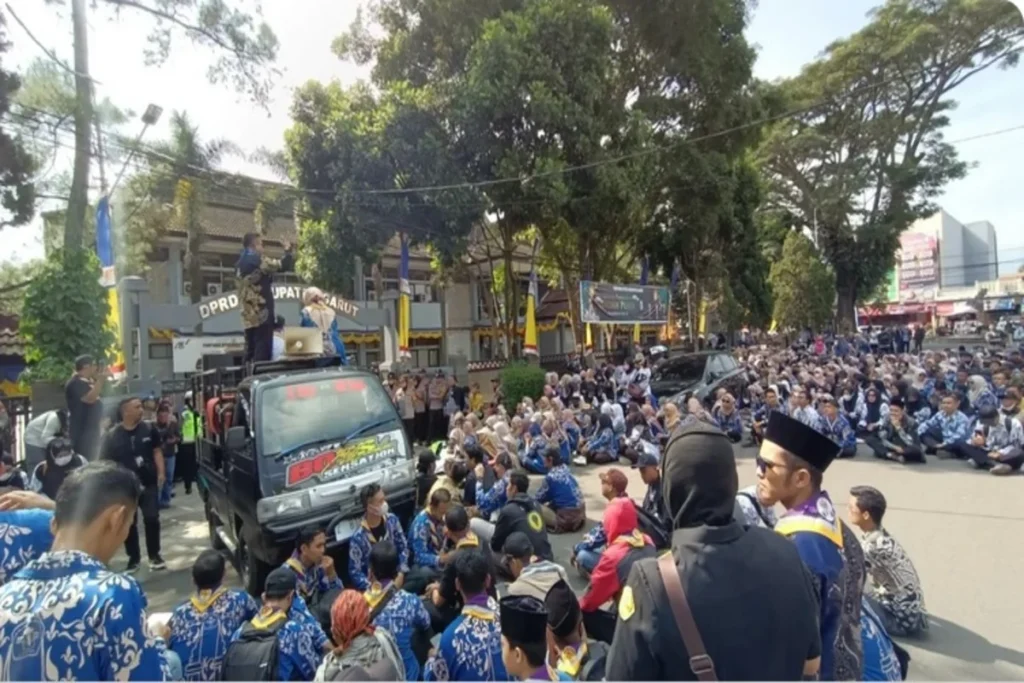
(697, 374)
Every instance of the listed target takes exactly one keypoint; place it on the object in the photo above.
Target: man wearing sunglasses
(790, 470)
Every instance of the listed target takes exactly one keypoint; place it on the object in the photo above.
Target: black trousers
(440, 617)
(149, 506)
(410, 428)
(186, 465)
(259, 342)
(910, 453)
(980, 456)
(418, 578)
(931, 440)
(421, 427)
(438, 425)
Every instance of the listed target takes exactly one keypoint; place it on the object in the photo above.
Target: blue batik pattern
(24, 536)
(560, 489)
(402, 617)
(470, 648)
(202, 626)
(311, 582)
(297, 656)
(426, 538)
(359, 551)
(840, 431)
(955, 428)
(492, 500)
(65, 616)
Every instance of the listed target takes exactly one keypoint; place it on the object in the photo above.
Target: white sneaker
(579, 460)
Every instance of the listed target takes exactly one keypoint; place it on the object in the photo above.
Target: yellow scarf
(468, 541)
(202, 600)
(570, 660)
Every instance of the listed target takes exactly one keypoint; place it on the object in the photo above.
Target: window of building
(426, 353)
(422, 291)
(485, 346)
(160, 351)
(371, 353)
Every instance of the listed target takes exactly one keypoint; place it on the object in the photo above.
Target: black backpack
(253, 657)
(650, 525)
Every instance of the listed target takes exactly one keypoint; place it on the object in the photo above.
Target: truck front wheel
(252, 570)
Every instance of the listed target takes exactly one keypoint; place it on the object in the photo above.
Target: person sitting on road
(426, 543)
(896, 593)
(540, 437)
(490, 501)
(201, 627)
(728, 418)
(897, 439)
(470, 646)
(358, 642)
(603, 447)
(442, 599)
(520, 513)
(587, 552)
(524, 640)
(532, 575)
(400, 612)
(996, 445)
(426, 474)
(837, 428)
(560, 496)
(626, 545)
(272, 635)
(944, 430)
(451, 480)
(378, 524)
(60, 461)
(650, 474)
(317, 581)
(570, 651)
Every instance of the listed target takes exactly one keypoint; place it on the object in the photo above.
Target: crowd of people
(471, 588)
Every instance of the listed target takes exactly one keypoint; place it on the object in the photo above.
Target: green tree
(867, 157)
(65, 315)
(804, 288)
(14, 277)
(17, 166)
(356, 150)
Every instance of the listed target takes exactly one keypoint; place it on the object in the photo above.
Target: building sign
(187, 352)
(229, 302)
(601, 302)
(918, 262)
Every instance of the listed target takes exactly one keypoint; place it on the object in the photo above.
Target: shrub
(519, 380)
(64, 316)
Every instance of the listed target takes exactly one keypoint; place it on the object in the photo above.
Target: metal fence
(19, 412)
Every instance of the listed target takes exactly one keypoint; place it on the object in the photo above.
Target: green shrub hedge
(519, 380)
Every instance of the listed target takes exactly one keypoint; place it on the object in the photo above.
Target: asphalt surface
(962, 528)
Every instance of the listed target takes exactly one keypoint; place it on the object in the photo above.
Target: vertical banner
(530, 334)
(404, 301)
(669, 330)
(108, 278)
(643, 283)
(588, 339)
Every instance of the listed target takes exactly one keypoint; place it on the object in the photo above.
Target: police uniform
(750, 594)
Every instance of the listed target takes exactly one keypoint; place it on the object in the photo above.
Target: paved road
(962, 528)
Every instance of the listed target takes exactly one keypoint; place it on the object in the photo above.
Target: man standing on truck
(317, 581)
(255, 273)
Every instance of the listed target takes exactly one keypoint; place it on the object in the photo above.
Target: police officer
(742, 625)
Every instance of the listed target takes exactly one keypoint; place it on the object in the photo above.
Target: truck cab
(288, 444)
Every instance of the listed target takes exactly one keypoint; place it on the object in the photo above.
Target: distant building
(940, 251)
(981, 262)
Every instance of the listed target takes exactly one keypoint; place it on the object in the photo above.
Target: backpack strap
(701, 664)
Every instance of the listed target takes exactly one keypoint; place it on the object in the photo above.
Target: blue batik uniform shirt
(560, 489)
(840, 431)
(24, 536)
(201, 629)
(401, 617)
(297, 656)
(470, 648)
(955, 428)
(493, 499)
(313, 581)
(361, 543)
(426, 538)
(731, 424)
(65, 616)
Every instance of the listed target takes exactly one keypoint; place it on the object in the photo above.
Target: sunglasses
(765, 465)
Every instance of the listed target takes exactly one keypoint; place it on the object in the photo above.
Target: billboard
(918, 260)
(609, 304)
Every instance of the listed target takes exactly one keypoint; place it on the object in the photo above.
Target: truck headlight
(400, 472)
(281, 506)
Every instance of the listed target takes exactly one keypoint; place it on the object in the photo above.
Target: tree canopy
(17, 166)
(803, 287)
(865, 154)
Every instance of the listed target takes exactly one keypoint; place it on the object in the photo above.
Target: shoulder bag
(700, 663)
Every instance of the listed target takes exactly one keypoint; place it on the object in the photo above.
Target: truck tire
(211, 524)
(251, 569)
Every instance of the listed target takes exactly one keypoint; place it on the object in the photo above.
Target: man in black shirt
(521, 513)
(82, 395)
(135, 445)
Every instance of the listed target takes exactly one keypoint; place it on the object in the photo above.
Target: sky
(788, 33)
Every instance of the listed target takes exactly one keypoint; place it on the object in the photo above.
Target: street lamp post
(149, 118)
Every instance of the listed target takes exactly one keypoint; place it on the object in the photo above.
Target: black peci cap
(802, 441)
(524, 619)
(563, 609)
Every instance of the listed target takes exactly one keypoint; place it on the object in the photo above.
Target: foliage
(12, 275)
(866, 156)
(519, 380)
(17, 166)
(354, 148)
(804, 287)
(65, 315)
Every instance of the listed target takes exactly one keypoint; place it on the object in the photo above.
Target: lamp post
(149, 118)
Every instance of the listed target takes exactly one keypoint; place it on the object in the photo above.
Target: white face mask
(382, 510)
(63, 460)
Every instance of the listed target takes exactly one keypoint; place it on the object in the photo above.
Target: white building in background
(940, 251)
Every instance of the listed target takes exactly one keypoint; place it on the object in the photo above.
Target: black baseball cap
(646, 459)
(280, 583)
(518, 545)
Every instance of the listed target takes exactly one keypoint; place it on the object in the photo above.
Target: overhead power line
(57, 60)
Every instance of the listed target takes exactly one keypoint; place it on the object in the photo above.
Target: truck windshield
(685, 370)
(320, 410)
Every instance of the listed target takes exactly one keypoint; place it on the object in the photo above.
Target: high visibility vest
(191, 427)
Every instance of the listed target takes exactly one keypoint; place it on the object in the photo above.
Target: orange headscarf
(350, 616)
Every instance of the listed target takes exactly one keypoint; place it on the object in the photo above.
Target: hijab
(874, 408)
(698, 477)
(976, 386)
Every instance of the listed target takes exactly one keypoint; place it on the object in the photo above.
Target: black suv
(291, 443)
(701, 374)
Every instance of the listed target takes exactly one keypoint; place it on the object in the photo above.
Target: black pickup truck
(288, 444)
(700, 374)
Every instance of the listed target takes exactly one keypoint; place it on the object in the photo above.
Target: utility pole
(99, 158)
(74, 220)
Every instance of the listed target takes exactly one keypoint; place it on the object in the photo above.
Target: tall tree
(803, 286)
(866, 156)
(246, 48)
(17, 166)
